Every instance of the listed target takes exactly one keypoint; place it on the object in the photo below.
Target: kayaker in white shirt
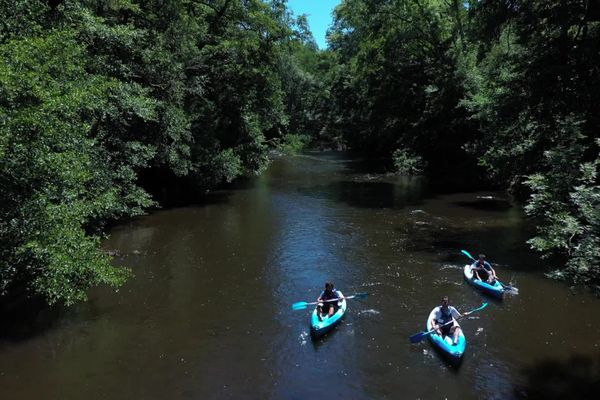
(446, 314)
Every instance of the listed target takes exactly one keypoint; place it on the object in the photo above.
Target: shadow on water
(486, 204)
(484, 296)
(319, 342)
(450, 364)
(171, 191)
(23, 318)
(575, 378)
(447, 243)
(371, 195)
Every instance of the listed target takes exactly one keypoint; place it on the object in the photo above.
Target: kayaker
(444, 320)
(328, 307)
(483, 270)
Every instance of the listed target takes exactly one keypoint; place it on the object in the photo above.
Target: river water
(208, 314)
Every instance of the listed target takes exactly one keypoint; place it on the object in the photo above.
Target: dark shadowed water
(208, 312)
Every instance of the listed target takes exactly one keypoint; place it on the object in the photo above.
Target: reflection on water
(208, 312)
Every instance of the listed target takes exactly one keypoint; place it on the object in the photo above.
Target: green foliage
(93, 92)
(304, 82)
(534, 89)
(514, 86)
(406, 163)
(292, 144)
(22, 18)
(569, 222)
(397, 85)
(55, 177)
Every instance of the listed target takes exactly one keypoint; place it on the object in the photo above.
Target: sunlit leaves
(52, 170)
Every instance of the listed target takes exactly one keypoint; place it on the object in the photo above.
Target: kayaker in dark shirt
(483, 270)
(444, 320)
(328, 307)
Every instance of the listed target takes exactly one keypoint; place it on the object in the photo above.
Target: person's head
(329, 286)
(445, 302)
(481, 259)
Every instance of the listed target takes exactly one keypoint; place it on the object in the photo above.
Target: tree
(397, 87)
(94, 93)
(535, 91)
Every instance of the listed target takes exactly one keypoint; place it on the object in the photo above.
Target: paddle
(301, 305)
(417, 337)
(506, 287)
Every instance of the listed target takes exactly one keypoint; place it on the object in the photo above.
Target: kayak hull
(452, 352)
(496, 290)
(320, 328)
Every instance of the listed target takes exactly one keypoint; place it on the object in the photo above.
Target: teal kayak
(453, 352)
(496, 290)
(319, 328)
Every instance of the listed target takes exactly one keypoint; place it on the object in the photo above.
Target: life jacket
(486, 266)
(444, 318)
(329, 296)
(487, 269)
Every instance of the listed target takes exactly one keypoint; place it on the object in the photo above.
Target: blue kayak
(319, 328)
(453, 352)
(496, 289)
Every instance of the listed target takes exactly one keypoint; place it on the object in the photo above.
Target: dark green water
(208, 312)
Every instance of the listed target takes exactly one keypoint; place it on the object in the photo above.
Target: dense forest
(98, 97)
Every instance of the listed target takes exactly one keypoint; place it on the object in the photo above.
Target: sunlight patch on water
(428, 353)
(447, 281)
(369, 284)
(303, 338)
(451, 266)
(369, 311)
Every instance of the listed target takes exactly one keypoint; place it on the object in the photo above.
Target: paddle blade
(511, 289)
(301, 305)
(466, 253)
(361, 295)
(417, 337)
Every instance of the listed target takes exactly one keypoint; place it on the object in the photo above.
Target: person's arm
(475, 268)
(455, 314)
(465, 314)
(320, 298)
(492, 271)
(339, 295)
(436, 327)
(434, 324)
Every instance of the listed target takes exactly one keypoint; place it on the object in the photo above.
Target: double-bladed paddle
(301, 305)
(506, 287)
(417, 337)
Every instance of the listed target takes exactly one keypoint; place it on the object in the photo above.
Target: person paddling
(444, 320)
(328, 307)
(483, 270)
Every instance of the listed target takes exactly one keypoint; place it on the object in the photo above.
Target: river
(207, 314)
